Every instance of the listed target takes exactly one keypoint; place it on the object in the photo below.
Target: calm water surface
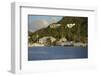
(51, 53)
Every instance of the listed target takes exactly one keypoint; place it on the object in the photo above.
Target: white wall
(5, 23)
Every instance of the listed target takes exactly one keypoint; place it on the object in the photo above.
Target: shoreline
(67, 45)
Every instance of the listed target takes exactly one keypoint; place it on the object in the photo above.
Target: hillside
(77, 33)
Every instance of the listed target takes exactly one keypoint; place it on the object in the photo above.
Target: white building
(35, 44)
(43, 40)
(54, 25)
(70, 25)
(63, 39)
(80, 44)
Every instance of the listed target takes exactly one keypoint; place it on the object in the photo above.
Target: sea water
(57, 52)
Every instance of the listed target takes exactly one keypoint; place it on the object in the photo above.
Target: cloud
(54, 19)
(37, 24)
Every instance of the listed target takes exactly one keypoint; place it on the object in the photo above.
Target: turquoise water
(57, 52)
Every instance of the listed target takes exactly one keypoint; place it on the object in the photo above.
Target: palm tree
(69, 30)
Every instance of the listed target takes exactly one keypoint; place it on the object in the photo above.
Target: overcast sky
(36, 22)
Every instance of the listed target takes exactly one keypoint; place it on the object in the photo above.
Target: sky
(36, 22)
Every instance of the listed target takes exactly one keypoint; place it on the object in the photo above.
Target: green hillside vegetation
(78, 33)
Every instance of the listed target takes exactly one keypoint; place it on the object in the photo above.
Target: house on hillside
(63, 39)
(44, 40)
(70, 25)
(54, 25)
